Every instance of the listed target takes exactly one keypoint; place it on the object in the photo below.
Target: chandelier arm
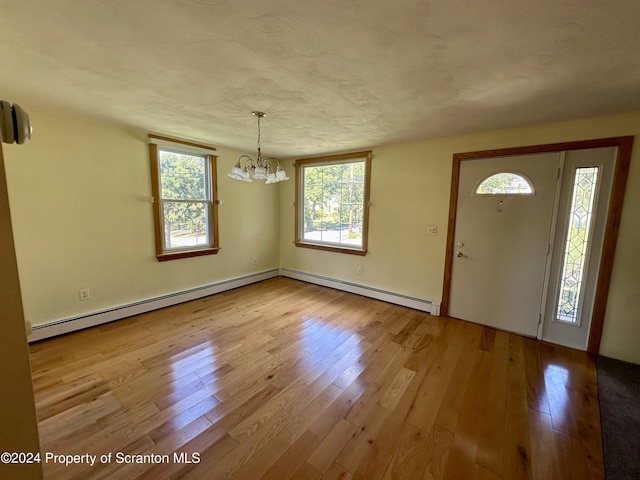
(248, 161)
(267, 165)
(261, 167)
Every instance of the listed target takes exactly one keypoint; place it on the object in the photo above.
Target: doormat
(619, 396)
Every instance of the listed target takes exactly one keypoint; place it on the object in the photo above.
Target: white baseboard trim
(399, 299)
(67, 325)
(72, 324)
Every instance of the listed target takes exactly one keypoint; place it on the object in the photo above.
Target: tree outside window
(333, 202)
(184, 207)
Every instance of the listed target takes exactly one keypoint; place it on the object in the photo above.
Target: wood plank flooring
(287, 380)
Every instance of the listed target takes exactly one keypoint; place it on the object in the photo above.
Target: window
(505, 183)
(184, 198)
(332, 202)
(578, 238)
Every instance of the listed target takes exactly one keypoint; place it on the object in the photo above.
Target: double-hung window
(184, 198)
(332, 202)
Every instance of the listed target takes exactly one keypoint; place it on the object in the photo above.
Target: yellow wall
(80, 196)
(18, 427)
(410, 189)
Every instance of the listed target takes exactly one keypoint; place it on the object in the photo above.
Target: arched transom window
(505, 183)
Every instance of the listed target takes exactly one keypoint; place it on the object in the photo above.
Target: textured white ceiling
(331, 75)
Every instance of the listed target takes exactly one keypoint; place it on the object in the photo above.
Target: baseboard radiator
(384, 295)
(72, 324)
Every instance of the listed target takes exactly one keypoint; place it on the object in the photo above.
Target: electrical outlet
(359, 270)
(85, 294)
(432, 230)
(255, 260)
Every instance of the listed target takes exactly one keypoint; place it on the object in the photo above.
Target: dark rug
(619, 396)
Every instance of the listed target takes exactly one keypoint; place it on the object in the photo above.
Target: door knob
(459, 254)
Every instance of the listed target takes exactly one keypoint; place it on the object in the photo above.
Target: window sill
(332, 248)
(163, 257)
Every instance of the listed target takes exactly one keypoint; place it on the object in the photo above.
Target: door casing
(621, 172)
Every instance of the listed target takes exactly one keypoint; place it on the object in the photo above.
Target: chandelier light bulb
(260, 169)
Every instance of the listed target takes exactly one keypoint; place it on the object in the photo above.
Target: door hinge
(558, 174)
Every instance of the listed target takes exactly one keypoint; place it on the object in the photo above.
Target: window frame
(156, 143)
(300, 164)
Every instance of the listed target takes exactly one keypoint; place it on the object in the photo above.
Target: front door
(503, 223)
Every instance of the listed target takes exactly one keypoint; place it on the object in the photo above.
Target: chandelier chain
(259, 145)
(261, 167)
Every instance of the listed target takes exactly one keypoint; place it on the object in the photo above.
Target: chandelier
(260, 168)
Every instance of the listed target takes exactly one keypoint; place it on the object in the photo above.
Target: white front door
(502, 242)
(577, 247)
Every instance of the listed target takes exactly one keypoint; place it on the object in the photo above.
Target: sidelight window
(578, 235)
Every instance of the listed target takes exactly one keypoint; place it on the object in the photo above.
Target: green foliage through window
(184, 191)
(504, 183)
(333, 200)
(185, 206)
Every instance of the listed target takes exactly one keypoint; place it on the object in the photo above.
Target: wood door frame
(612, 227)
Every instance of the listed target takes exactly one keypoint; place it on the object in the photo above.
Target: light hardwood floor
(284, 379)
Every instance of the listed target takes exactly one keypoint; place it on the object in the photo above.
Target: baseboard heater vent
(68, 325)
(371, 292)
